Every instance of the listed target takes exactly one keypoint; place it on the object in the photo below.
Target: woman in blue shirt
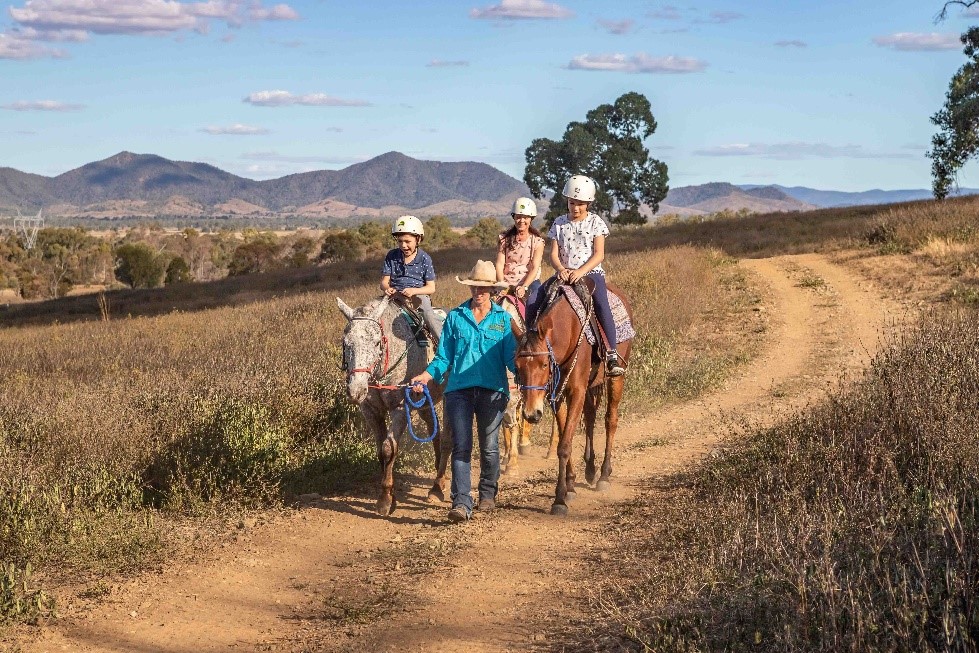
(476, 350)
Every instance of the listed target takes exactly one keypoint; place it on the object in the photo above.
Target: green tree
(341, 246)
(486, 232)
(178, 271)
(439, 234)
(256, 256)
(375, 237)
(138, 265)
(609, 148)
(957, 140)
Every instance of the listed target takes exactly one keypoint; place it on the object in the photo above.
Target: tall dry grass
(112, 430)
(853, 526)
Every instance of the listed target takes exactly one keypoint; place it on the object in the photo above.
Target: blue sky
(827, 94)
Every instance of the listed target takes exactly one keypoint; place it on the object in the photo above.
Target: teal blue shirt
(475, 355)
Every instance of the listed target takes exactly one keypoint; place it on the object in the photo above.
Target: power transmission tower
(29, 227)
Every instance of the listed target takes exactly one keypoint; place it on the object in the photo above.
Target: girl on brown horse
(578, 249)
(519, 255)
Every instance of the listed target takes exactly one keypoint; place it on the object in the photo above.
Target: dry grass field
(850, 525)
(124, 440)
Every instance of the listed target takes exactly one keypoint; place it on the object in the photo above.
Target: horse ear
(346, 310)
(379, 311)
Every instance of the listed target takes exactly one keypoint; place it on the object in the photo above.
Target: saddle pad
(623, 325)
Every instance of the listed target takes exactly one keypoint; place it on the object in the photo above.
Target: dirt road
(334, 576)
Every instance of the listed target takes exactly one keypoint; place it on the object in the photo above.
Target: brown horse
(555, 363)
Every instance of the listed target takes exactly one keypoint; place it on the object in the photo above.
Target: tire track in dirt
(334, 576)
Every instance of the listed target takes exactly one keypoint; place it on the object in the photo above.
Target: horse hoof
(603, 486)
(550, 455)
(384, 507)
(559, 510)
(435, 496)
(524, 449)
(569, 497)
(511, 470)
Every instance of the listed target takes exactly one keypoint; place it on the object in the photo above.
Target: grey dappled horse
(380, 348)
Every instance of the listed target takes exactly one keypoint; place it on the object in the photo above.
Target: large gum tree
(609, 146)
(957, 139)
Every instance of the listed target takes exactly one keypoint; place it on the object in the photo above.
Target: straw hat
(483, 274)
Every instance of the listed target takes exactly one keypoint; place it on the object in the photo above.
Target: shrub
(139, 266)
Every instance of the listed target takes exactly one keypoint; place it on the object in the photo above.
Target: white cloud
(720, 17)
(639, 63)
(236, 129)
(14, 45)
(285, 98)
(617, 26)
(41, 105)
(797, 150)
(794, 43)
(911, 41)
(142, 16)
(522, 10)
(439, 63)
(668, 12)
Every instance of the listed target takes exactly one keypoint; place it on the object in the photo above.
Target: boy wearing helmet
(519, 254)
(409, 270)
(578, 249)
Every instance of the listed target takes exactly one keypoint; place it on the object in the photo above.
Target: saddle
(412, 310)
(579, 296)
(505, 297)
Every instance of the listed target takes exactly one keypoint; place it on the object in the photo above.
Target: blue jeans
(487, 406)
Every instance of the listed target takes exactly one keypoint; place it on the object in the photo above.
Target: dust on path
(334, 576)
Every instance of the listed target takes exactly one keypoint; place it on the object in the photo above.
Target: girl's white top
(576, 240)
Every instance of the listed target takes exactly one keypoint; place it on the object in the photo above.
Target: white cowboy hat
(483, 274)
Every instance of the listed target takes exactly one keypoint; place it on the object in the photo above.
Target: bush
(232, 449)
(139, 266)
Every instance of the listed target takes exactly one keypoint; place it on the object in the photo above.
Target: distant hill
(720, 196)
(831, 198)
(387, 183)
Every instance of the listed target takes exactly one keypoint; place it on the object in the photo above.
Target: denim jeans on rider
(487, 406)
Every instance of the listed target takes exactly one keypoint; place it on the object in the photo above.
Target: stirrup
(612, 366)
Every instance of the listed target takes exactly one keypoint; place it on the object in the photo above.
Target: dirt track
(313, 580)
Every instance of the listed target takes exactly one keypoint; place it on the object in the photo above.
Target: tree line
(149, 256)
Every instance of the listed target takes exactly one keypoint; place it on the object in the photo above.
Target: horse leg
(555, 436)
(387, 452)
(437, 493)
(571, 411)
(615, 388)
(524, 429)
(592, 398)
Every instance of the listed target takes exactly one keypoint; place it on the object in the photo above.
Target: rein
(410, 403)
(387, 356)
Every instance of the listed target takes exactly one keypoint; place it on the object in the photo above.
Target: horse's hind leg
(555, 438)
(443, 453)
(592, 399)
(525, 428)
(615, 387)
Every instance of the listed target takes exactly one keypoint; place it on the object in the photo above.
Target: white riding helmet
(524, 206)
(580, 187)
(408, 224)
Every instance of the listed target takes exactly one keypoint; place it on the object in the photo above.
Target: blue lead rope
(411, 403)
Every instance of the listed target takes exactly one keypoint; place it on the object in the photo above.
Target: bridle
(555, 384)
(377, 361)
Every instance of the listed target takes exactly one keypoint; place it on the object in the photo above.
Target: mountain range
(147, 185)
